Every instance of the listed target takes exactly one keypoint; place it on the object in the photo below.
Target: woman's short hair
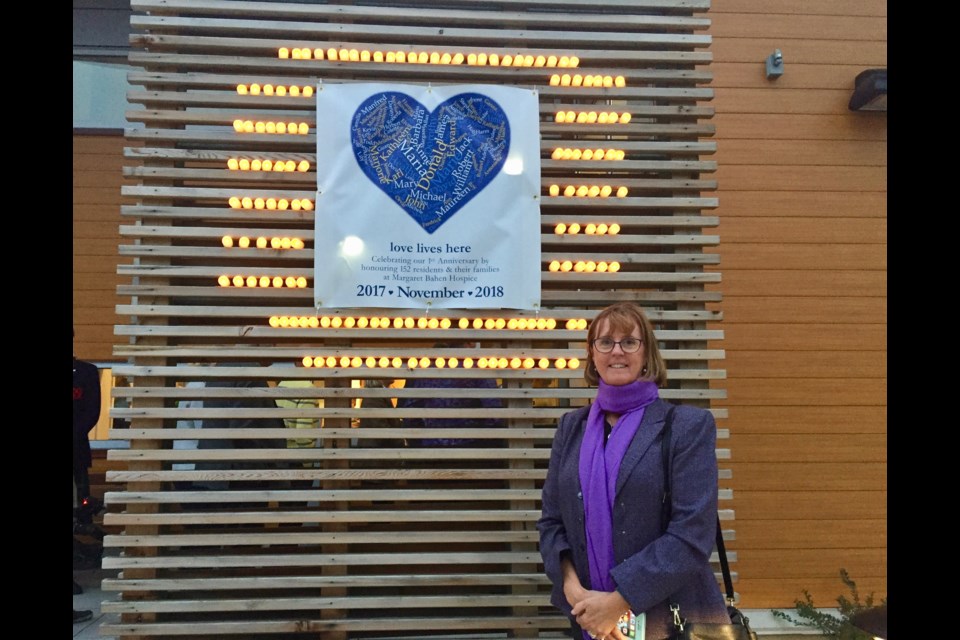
(624, 317)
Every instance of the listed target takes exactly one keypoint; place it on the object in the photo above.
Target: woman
(601, 539)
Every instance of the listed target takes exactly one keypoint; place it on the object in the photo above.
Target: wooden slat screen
(360, 536)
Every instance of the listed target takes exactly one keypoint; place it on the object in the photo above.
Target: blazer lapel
(650, 427)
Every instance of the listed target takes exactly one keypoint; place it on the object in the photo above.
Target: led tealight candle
(237, 281)
(567, 154)
(314, 322)
(252, 281)
(383, 362)
(283, 53)
(608, 81)
(564, 61)
(560, 229)
(574, 228)
(370, 362)
(243, 242)
(255, 89)
(424, 362)
(343, 55)
(259, 203)
(482, 363)
(471, 59)
(569, 191)
(226, 241)
(330, 361)
(478, 323)
(574, 61)
(336, 322)
(223, 281)
(539, 61)
(277, 282)
(605, 191)
(301, 282)
(489, 324)
(243, 164)
(499, 323)
(515, 363)
(614, 267)
(565, 80)
(364, 55)
(506, 60)
(601, 267)
(291, 283)
(528, 363)
(582, 189)
(349, 322)
(463, 323)
(457, 58)
(446, 58)
(468, 363)
(576, 80)
(344, 362)
(579, 266)
(566, 265)
(587, 81)
(554, 190)
(396, 362)
(590, 266)
(264, 282)
(561, 363)
(493, 60)
(590, 229)
(271, 204)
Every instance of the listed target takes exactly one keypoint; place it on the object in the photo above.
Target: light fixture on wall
(869, 91)
(775, 65)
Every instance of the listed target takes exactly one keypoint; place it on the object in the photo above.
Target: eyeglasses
(627, 345)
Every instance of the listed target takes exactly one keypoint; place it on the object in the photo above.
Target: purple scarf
(599, 467)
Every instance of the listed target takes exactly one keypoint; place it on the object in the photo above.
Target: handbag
(739, 627)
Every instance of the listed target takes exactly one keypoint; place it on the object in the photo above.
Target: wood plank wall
(802, 186)
(802, 213)
(356, 537)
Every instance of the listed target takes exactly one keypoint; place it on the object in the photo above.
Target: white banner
(427, 197)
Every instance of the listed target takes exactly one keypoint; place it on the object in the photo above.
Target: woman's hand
(598, 612)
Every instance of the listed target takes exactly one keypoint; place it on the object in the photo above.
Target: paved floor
(91, 598)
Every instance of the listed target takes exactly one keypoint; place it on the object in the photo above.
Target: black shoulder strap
(666, 507)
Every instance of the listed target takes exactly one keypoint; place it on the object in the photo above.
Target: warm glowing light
(614, 267)
(515, 363)
(463, 323)
(590, 229)
(573, 229)
(424, 362)
(383, 362)
(259, 203)
(528, 363)
(291, 283)
(330, 361)
(301, 282)
(566, 265)
(440, 363)
(468, 363)
(223, 281)
(370, 362)
(277, 282)
(478, 323)
(561, 363)
(396, 362)
(482, 363)
(502, 363)
(582, 191)
(264, 281)
(554, 265)
(622, 192)
(445, 323)
(356, 361)
(590, 266)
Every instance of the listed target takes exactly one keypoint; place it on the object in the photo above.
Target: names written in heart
(431, 164)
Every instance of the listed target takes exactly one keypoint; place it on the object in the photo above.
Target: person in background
(440, 402)
(300, 423)
(602, 543)
(86, 414)
(190, 443)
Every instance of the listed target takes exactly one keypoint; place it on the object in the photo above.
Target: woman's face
(618, 368)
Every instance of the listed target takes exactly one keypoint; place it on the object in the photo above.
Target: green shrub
(832, 626)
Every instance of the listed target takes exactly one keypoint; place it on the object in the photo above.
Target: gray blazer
(652, 567)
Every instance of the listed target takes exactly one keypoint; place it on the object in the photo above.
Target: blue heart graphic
(430, 163)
